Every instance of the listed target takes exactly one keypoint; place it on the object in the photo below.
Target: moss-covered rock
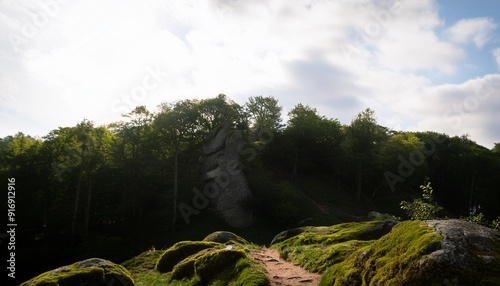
(366, 230)
(143, 262)
(317, 248)
(211, 263)
(181, 251)
(93, 271)
(420, 253)
(225, 237)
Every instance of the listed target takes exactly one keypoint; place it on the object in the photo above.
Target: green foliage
(496, 148)
(481, 219)
(495, 224)
(265, 113)
(478, 218)
(422, 209)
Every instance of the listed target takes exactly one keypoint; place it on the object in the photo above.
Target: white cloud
(338, 56)
(496, 56)
(471, 107)
(476, 30)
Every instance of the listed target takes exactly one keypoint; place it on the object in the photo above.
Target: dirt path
(282, 272)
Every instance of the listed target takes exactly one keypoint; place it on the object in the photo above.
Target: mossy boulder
(423, 253)
(211, 263)
(366, 230)
(92, 272)
(469, 253)
(181, 251)
(145, 261)
(225, 237)
(317, 248)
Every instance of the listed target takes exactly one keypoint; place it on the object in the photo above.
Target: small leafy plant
(495, 224)
(424, 208)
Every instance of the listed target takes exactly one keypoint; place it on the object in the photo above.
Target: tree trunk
(295, 162)
(358, 191)
(88, 209)
(176, 167)
(75, 209)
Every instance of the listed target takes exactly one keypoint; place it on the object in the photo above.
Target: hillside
(374, 252)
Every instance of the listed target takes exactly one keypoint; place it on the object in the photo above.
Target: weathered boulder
(224, 237)
(223, 180)
(366, 230)
(470, 250)
(93, 271)
(436, 252)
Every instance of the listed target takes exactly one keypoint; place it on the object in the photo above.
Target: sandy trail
(282, 272)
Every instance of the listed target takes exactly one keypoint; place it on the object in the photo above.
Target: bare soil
(282, 272)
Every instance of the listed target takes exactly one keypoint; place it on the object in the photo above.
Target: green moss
(92, 275)
(391, 260)
(151, 278)
(155, 278)
(317, 248)
(76, 274)
(366, 230)
(180, 251)
(143, 262)
(185, 268)
(208, 263)
(211, 264)
(249, 273)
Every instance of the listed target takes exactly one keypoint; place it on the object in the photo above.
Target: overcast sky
(421, 65)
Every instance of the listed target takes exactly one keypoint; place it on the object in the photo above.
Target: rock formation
(223, 180)
(436, 252)
(93, 271)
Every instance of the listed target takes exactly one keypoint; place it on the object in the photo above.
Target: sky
(421, 65)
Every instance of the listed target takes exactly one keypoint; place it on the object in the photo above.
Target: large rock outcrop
(436, 252)
(223, 180)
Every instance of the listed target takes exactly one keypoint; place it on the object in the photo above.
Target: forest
(113, 191)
